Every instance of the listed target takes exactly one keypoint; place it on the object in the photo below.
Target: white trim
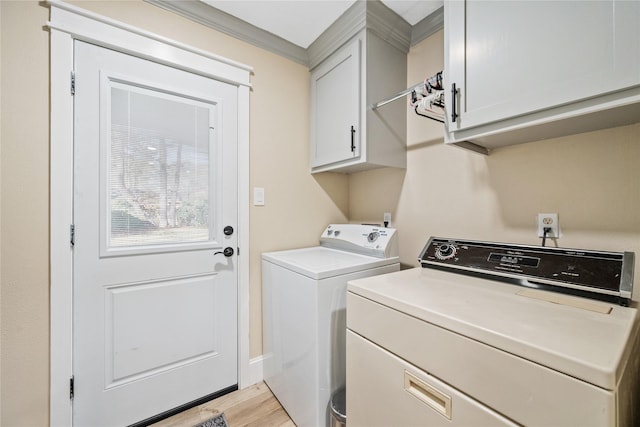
(362, 15)
(428, 26)
(205, 14)
(61, 218)
(244, 379)
(67, 24)
(93, 28)
(256, 373)
(388, 24)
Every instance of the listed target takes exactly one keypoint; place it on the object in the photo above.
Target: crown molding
(428, 26)
(350, 23)
(372, 15)
(388, 25)
(228, 24)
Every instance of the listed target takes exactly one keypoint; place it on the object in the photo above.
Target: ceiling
(302, 21)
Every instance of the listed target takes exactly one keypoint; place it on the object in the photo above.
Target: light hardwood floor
(254, 406)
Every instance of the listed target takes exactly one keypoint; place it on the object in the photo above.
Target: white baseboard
(255, 373)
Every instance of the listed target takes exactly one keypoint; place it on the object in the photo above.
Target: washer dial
(445, 251)
(373, 236)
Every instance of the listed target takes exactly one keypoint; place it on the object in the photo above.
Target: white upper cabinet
(352, 72)
(335, 102)
(528, 70)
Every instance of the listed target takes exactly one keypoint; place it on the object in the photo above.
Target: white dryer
(304, 313)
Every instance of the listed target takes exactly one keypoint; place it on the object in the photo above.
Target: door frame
(69, 23)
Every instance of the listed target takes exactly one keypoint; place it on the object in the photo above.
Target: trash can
(339, 408)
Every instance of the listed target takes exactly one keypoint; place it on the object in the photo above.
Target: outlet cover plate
(548, 220)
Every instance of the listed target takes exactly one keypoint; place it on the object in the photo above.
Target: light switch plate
(258, 196)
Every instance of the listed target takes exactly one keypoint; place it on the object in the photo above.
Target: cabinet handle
(353, 139)
(428, 394)
(454, 92)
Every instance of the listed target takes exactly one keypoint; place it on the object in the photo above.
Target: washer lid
(586, 339)
(320, 262)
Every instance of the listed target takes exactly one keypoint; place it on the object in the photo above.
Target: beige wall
(1, 330)
(297, 208)
(591, 180)
(24, 231)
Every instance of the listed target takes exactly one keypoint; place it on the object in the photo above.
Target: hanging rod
(396, 96)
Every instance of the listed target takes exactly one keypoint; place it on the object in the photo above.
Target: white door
(155, 185)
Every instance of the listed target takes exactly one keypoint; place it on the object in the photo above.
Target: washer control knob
(373, 236)
(445, 251)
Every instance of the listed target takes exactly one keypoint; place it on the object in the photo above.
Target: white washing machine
(304, 314)
(496, 334)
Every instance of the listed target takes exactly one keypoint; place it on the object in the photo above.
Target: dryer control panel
(587, 272)
(372, 240)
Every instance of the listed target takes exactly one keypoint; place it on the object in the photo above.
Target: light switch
(258, 196)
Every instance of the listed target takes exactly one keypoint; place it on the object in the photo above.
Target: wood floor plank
(254, 406)
(252, 411)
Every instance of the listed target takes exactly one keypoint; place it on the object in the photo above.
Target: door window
(158, 179)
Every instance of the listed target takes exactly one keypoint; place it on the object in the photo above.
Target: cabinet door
(512, 58)
(335, 102)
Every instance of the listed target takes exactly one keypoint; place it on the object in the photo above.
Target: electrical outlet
(387, 217)
(549, 220)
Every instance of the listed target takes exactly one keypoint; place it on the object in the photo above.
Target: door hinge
(71, 388)
(73, 83)
(72, 234)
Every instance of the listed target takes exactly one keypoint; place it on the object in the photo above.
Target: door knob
(228, 251)
(228, 230)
